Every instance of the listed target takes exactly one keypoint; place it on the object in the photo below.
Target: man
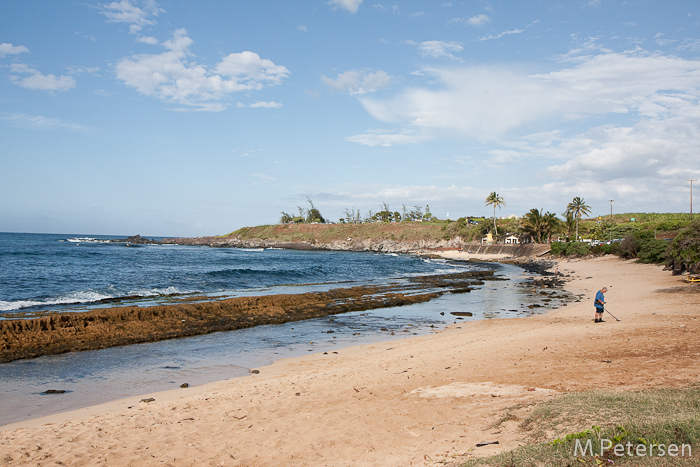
(599, 305)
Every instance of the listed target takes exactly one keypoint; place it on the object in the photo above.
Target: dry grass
(653, 417)
(328, 233)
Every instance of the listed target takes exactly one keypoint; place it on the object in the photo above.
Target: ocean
(76, 272)
(60, 273)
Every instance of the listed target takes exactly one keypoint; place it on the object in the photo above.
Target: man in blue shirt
(599, 305)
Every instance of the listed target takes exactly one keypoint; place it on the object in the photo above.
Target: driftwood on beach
(111, 327)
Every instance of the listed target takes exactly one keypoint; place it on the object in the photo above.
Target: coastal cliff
(384, 238)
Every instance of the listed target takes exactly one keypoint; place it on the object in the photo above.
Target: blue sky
(181, 118)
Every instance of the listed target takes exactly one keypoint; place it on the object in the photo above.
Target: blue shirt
(599, 299)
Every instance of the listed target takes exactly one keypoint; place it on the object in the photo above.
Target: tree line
(542, 226)
(351, 216)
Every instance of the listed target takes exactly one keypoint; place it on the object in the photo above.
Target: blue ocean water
(67, 272)
(72, 272)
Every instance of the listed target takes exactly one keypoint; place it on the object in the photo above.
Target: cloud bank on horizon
(173, 118)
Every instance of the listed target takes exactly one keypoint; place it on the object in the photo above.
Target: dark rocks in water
(136, 240)
(54, 391)
(111, 327)
(184, 385)
(255, 372)
(461, 313)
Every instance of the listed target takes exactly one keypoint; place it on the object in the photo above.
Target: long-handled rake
(611, 314)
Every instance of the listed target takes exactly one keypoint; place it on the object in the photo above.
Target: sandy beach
(419, 401)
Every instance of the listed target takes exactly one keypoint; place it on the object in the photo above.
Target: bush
(602, 249)
(685, 248)
(570, 249)
(558, 248)
(644, 246)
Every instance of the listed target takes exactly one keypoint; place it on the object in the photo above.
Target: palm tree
(569, 224)
(495, 200)
(540, 225)
(578, 207)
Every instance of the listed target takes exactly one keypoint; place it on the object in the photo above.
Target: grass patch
(640, 422)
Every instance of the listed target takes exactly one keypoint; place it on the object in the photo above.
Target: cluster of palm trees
(543, 225)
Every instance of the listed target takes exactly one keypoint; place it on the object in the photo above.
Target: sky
(182, 118)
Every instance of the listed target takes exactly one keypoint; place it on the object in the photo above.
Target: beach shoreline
(415, 401)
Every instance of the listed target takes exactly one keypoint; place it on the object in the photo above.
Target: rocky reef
(111, 327)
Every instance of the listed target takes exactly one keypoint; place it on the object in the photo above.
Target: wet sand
(417, 401)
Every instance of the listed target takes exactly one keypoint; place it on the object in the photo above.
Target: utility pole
(691, 197)
(611, 222)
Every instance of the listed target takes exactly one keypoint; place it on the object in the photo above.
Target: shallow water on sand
(94, 377)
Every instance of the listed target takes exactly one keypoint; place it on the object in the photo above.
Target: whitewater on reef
(77, 272)
(51, 273)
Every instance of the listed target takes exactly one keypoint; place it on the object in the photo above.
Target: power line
(691, 197)
(611, 224)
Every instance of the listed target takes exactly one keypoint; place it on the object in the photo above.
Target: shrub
(578, 249)
(570, 249)
(643, 245)
(558, 248)
(685, 248)
(602, 249)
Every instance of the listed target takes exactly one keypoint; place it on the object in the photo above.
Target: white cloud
(646, 150)
(147, 40)
(38, 122)
(358, 82)
(387, 138)
(79, 70)
(135, 13)
(476, 21)
(266, 105)
(508, 32)
(30, 78)
(479, 20)
(171, 77)
(439, 49)
(350, 6)
(9, 49)
(488, 102)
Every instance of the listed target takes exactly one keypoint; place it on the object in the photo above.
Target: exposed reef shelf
(111, 327)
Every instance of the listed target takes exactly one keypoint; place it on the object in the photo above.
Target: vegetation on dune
(642, 422)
